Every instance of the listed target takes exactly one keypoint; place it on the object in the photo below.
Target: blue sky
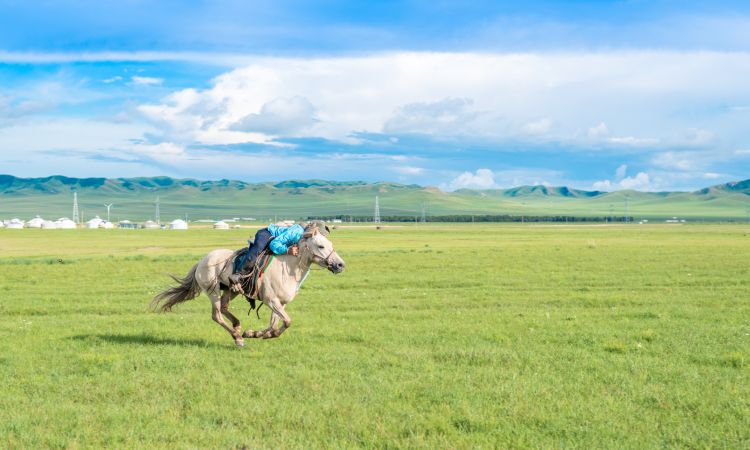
(650, 95)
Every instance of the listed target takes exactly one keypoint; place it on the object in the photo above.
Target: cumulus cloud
(541, 126)
(449, 115)
(481, 179)
(633, 92)
(598, 131)
(640, 182)
(279, 116)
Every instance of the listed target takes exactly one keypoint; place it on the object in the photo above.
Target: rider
(283, 240)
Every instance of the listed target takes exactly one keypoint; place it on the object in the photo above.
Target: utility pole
(76, 216)
(627, 208)
(424, 212)
(157, 218)
(108, 208)
(376, 217)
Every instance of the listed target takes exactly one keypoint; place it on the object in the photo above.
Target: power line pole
(157, 215)
(424, 212)
(376, 217)
(108, 208)
(76, 216)
(627, 208)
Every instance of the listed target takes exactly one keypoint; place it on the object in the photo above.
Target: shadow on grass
(146, 339)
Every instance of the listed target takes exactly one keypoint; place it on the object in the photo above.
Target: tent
(106, 225)
(14, 224)
(94, 223)
(48, 225)
(178, 224)
(127, 224)
(36, 222)
(221, 225)
(65, 223)
(151, 225)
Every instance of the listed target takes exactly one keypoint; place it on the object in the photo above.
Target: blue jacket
(284, 237)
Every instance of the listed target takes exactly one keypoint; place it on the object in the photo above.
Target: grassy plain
(439, 336)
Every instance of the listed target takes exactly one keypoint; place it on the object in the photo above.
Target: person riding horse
(280, 239)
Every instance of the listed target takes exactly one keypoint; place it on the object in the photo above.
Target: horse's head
(315, 243)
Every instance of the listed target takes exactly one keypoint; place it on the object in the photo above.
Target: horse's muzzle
(336, 267)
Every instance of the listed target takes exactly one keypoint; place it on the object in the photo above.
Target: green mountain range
(135, 198)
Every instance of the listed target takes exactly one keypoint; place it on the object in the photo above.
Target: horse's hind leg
(226, 297)
(218, 318)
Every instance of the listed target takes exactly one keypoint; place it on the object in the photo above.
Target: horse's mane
(320, 225)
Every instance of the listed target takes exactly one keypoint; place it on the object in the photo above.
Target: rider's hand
(293, 250)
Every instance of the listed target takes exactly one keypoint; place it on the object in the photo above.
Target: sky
(598, 95)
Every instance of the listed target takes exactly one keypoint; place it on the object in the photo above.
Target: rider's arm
(281, 243)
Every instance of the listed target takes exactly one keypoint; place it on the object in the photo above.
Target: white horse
(277, 287)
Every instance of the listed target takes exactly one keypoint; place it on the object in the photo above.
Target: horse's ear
(310, 232)
(327, 229)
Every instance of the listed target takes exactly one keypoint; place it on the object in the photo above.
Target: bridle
(327, 259)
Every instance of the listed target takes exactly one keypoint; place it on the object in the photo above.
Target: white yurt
(14, 224)
(150, 225)
(221, 225)
(36, 222)
(94, 223)
(2, 224)
(178, 224)
(48, 225)
(106, 225)
(65, 223)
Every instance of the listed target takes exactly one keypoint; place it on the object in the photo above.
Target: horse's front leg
(272, 325)
(278, 311)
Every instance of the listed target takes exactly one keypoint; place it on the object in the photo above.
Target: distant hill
(134, 199)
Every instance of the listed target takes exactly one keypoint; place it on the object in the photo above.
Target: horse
(277, 287)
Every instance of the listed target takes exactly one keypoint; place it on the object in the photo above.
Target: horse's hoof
(239, 342)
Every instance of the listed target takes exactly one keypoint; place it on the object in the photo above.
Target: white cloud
(676, 161)
(541, 126)
(147, 81)
(621, 171)
(640, 182)
(279, 116)
(482, 179)
(112, 79)
(603, 185)
(633, 141)
(598, 131)
(446, 116)
(634, 92)
(409, 170)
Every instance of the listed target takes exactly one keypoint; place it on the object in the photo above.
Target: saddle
(251, 273)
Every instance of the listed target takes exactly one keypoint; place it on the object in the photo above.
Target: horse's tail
(187, 289)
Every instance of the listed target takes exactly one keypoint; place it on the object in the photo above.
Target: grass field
(459, 336)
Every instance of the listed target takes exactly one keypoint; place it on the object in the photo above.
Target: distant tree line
(475, 218)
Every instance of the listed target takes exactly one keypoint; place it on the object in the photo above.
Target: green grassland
(439, 336)
(134, 198)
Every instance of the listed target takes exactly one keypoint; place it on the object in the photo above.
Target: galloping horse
(278, 286)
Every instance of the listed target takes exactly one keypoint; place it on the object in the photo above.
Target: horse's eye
(321, 247)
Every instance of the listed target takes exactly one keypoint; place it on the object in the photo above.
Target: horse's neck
(293, 267)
